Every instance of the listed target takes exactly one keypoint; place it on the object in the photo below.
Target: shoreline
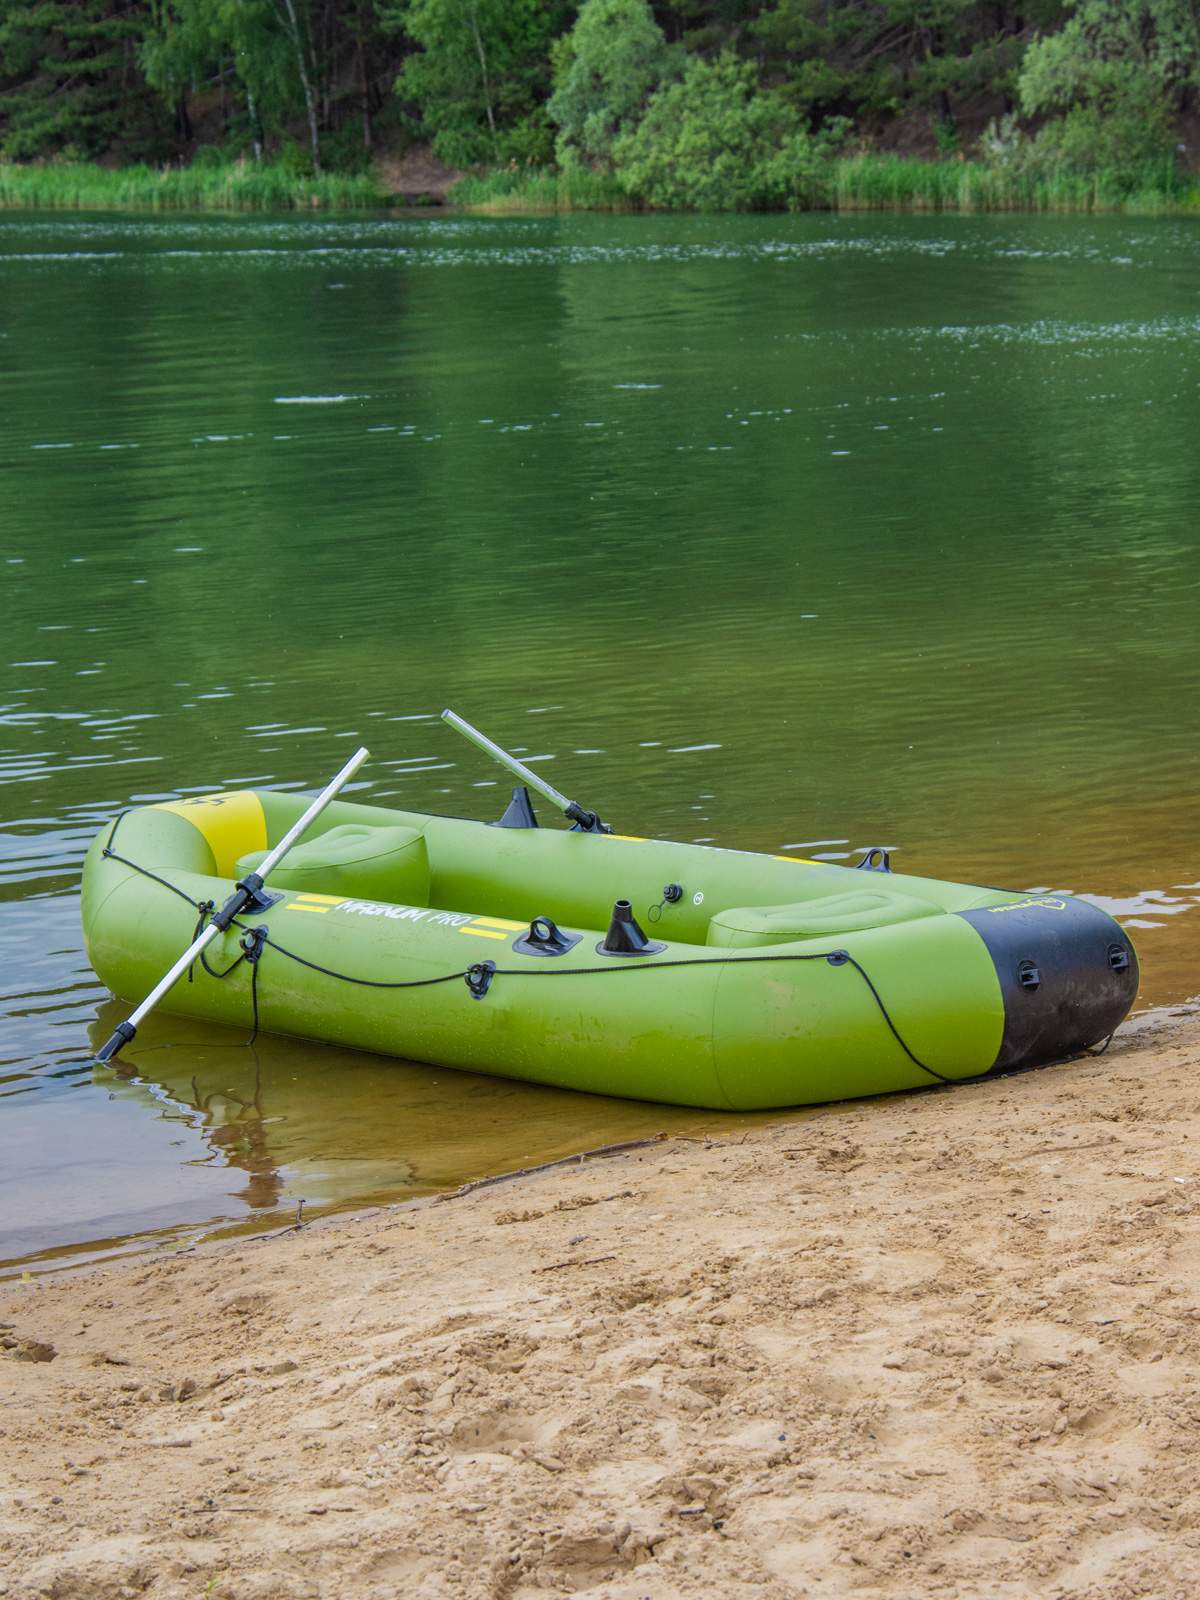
(871, 182)
(940, 1344)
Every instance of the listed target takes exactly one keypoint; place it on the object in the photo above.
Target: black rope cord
(256, 938)
(145, 871)
(365, 983)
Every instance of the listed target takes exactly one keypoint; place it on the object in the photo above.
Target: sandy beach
(946, 1344)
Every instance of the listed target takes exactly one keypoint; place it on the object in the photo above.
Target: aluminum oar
(247, 891)
(587, 821)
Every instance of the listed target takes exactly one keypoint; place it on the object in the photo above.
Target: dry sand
(946, 1344)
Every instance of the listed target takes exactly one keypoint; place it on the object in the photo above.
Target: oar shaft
(242, 896)
(194, 951)
(273, 859)
(517, 768)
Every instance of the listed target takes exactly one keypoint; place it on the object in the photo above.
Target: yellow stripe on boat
(499, 922)
(487, 933)
(232, 824)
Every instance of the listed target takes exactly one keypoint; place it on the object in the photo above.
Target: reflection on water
(257, 1129)
(784, 533)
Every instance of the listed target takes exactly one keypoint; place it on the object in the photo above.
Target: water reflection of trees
(241, 1139)
(233, 1126)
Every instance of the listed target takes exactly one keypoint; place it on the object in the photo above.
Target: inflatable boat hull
(774, 981)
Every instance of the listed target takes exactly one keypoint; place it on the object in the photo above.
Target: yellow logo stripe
(319, 910)
(232, 824)
(487, 933)
(805, 860)
(498, 922)
(322, 899)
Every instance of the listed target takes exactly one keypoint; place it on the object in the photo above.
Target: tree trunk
(256, 133)
(310, 101)
(365, 90)
(483, 73)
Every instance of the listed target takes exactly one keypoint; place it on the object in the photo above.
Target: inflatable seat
(355, 860)
(827, 917)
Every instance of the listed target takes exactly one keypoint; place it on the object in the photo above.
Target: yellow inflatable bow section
(232, 824)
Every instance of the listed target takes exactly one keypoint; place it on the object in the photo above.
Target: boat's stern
(1068, 975)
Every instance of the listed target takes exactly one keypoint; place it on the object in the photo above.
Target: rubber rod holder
(625, 937)
(519, 812)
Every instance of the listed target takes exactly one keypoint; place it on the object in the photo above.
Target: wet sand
(946, 1344)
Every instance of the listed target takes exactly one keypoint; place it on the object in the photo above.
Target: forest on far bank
(687, 103)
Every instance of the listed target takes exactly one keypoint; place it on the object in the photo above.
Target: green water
(819, 532)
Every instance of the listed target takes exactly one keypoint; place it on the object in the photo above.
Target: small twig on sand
(592, 1261)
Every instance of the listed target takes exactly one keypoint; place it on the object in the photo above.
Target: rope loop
(479, 978)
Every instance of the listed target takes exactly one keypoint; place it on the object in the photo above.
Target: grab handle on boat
(245, 895)
(585, 821)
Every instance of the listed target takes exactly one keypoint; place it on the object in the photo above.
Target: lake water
(773, 532)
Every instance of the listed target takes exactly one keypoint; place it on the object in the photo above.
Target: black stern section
(1067, 971)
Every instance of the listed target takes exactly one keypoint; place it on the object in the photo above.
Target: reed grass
(235, 186)
(540, 189)
(897, 183)
(869, 182)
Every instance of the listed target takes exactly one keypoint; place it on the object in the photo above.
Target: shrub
(605, 70)
(712, 141)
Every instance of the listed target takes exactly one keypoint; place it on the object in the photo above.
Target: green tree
(881, 59)
(1105, 45)
(1112, 75)
(480, 74)
(605, 70)
(69, 78)
(713, 141)
(265, 42)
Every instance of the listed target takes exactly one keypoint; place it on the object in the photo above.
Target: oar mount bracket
(258, 898)
(583, 820)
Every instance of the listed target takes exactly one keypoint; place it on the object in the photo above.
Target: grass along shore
(204, 186)
(870, 182)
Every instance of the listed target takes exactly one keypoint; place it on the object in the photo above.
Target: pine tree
(70, 80)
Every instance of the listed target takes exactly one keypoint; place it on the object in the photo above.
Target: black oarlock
(877, 859)
(544, 937)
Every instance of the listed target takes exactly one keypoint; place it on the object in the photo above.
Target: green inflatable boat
(596, 961)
